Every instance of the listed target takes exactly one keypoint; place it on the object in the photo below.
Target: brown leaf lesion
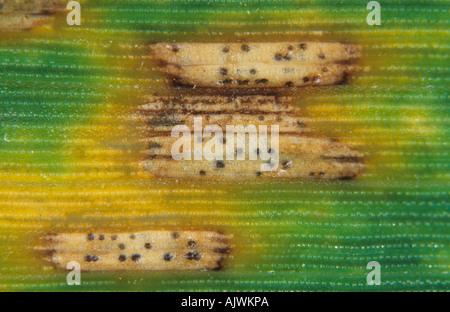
(23, 15)
(153, 250)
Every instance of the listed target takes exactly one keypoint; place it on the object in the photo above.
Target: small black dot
(287, 57)
(302, 46)
(122, 246)
(321, 56)
(325, 69)
(148, 246)
(168, 257)
(261, 118)
(224, 140)
(305, 79)
(290, 48)
(90, 258)
(132, 236)
(122, 258)
(175, 235)
(90, 237)
(289, 84)
(278, 56)
(101, 237)
(202, 172)
(261, 81)
(220, 164)
(114, 237)
(315, 79)
(258, 173)
(257, 151)
(252, 71)
(175, 48)
(223, 71)
(243, 82)
(227, 81)
(192, 244)
(193, 255)
(321, 174)
(311, 174)
(245, 48)
(136, 257)
(226, 49)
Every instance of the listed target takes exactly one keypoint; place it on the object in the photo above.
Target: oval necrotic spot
(122, 258)
(220, 164)
(122, 246)
(175, 235)
(148, 245)
(245, 47)
(192, 244)
(90, 237)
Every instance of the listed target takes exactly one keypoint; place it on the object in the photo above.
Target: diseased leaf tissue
(22, 15)
(134, 251)
(257, 64)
